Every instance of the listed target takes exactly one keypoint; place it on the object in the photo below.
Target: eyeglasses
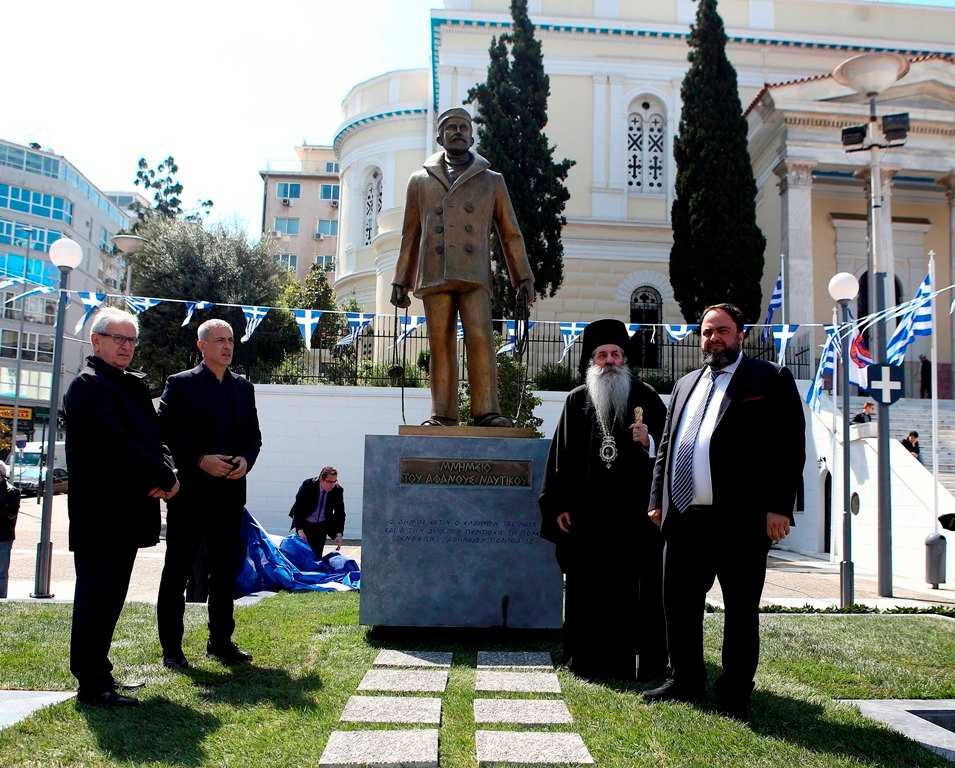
(119, 339)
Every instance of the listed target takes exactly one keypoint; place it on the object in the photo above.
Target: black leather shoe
(175, 662)
(493, 420)
(737, 710)
(228, 654)
(671, 690)
(128, 685)
(107, 699)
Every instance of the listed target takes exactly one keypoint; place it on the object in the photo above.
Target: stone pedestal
(450, 534)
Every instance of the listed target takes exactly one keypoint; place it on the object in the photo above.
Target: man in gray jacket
(452, 204)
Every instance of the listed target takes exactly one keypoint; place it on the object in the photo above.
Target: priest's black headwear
(598, 333)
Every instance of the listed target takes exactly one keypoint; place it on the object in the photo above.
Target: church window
(646, 148)
(372, 207)
(646, 308)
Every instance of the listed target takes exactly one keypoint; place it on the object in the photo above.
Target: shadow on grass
(807, 725)
(159, 730)
(471, 640)
(249, 685)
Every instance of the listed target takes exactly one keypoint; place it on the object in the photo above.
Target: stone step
(404, 680)
(522, 711)
(392, 709)
(513, 660)
(520, 682)
(500, 748)
(381, 749)
(434, 659)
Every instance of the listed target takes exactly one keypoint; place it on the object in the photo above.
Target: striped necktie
(681, 487)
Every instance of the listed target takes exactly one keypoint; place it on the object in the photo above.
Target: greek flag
(139, 304)
(632, 328)
(680, 332)
(253, 316)
(409, 324)
(827, 364)
(31, 292)
(775, 304)
(8, 281)
(357, 322)
(917, 321)
(569, 333)
(307, 320)
(192, 306)
(91, 302)
(782, 333)
(511, 334)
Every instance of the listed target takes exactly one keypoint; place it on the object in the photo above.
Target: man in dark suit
(113, 501)
(719, 514)
(208, 419)
(319, 511)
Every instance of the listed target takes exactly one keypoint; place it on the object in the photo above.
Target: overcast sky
(225, 87)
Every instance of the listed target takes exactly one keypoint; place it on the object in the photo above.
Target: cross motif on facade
(885, 385)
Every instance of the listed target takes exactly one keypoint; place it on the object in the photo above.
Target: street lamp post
(65, 254)
(844, 287)
(870, 74)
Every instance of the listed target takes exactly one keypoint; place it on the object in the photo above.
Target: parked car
(28, 480)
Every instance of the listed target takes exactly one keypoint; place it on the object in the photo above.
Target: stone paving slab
(900, 715)
(381, 749)
(514, 659)
(407, 680)
(524, 711)
(392, 709)
(19, 705)
(506, 748)
(520, 682)
(389, 658)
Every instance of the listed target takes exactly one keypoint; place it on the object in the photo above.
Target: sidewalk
(792, 580)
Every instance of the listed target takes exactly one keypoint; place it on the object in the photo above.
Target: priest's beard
(720, 358)
(609, 390)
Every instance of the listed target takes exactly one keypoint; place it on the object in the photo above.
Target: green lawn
(310, 655)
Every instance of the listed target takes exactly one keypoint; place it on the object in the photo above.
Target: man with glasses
(119, 469)
(208, 418)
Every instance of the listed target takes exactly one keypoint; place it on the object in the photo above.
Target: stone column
(795, 198)
(601, 130)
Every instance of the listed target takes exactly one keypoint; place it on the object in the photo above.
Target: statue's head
(454, 130)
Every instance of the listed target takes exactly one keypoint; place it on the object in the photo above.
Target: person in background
(865, 415)
(9, 509)
(319, 511)
(925, 376)
(911, 444)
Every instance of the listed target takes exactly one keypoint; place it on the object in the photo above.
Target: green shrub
(555, 377)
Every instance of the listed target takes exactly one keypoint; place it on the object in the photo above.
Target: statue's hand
(399, 296)
(526, 288)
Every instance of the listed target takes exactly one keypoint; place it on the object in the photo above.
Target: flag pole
(835, 426)
(782, 309)
(931, 272)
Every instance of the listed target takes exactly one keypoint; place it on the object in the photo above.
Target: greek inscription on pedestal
(467, 472)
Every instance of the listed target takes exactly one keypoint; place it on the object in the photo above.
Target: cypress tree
(512, 113)
(717, 252)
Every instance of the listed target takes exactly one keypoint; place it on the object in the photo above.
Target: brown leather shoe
(493, 420)
(439, 421)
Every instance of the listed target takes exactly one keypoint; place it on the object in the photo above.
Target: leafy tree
(315, 292)
(717, 252)
(512, 113)
(166, 188)
(182, 260)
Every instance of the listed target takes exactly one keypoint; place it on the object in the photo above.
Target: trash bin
(935, 546)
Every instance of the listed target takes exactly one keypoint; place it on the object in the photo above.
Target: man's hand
(172, 491)
(301, 534)
(399, 296)
(640, 434)
(563, 522)
(155, 493)
(240, 469)
(656, 516)
(215, 464)
(159, 493)
(338, 542)
(777, 526)
(527, 287)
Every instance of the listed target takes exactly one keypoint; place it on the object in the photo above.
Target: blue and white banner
(917, 321)
(513, 329)
(31, 292)
(569, 333)
(775, 304)
(6, 282)
(827, 364)
(307, 320)
(409, 324)
(91, 302)
(680, 332)
(357, 322)
(782, 334)
(632, 328)
(192, 306)
(253, 316)
(139, 304)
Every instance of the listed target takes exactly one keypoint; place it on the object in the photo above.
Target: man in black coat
(118, 472)
(595, 488)
(9, 510)
(719, 515)
(208, 419)
(319, 511)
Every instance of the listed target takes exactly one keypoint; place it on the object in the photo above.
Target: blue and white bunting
(6, 282)
(139, 304)
(569, 333)
(253, 316)
(512, 331)
(192, 306)
(827, 364)
(917, 321)
(459, 331)
(357, 322)
(782, 334)
(307, 320)
(91, 302)
(409, 324)
(680, 332)
(31, 292)
(632, 328)
(775, 304)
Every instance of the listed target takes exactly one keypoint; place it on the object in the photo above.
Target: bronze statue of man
(452, 203)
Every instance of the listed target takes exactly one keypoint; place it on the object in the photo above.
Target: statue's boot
(440, 421)
(493, 420)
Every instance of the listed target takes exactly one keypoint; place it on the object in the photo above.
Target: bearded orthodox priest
(596, 487)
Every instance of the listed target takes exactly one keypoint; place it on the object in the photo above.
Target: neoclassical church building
(616, 67)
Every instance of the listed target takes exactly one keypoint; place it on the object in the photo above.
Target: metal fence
(373, 358)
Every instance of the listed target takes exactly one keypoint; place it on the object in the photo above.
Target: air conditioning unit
(275, 233)
(318, 236)
(333, 203)
(286, 202)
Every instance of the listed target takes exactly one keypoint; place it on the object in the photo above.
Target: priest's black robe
(613, 555)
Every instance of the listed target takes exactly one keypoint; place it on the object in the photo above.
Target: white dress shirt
(702, 479)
